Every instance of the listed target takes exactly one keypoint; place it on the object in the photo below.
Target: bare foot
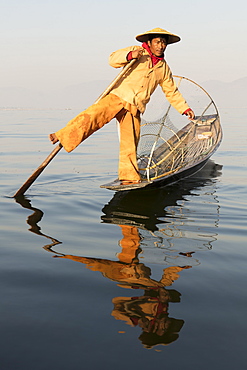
(129, 182)
(53, 138)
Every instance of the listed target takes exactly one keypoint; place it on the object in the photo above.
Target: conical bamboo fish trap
(164, 150)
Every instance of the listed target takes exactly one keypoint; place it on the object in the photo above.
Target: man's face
(157, 46)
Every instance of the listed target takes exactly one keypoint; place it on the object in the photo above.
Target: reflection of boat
(147, 209)
(148, 309)
(149, 305)
(166, 154)
(171, 229)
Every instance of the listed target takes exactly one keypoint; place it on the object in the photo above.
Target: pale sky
(51, 44)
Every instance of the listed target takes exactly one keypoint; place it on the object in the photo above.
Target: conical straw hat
(144, 37)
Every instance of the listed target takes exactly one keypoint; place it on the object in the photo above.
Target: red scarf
(154, 59)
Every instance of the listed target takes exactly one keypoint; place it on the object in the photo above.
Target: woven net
(169, 143)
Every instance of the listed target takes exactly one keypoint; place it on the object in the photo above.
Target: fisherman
(128, 99)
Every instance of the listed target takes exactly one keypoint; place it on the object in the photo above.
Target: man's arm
(120, 58)
(174, 96)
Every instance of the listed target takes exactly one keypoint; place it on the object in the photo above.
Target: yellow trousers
(95, 117)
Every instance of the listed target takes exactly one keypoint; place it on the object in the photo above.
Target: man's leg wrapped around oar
(94, 118)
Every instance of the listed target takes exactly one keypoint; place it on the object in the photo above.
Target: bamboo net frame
(165, 150)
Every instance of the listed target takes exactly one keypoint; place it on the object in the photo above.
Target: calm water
(91, 279)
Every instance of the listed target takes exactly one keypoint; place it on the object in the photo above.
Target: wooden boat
(167, 154)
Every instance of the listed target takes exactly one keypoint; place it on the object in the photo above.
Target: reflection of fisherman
(128, 271)
(150, 311)
(131, 275)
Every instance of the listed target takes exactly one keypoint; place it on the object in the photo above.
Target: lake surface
(91, 279)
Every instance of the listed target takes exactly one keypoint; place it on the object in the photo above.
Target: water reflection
(148, 311)
(34, 219)
(172, 228)
(157, 227)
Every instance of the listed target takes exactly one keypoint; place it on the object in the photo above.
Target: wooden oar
(43, 165)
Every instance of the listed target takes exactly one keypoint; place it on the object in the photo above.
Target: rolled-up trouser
(94, 118)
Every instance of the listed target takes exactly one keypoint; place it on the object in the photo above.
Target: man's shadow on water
(132, 211)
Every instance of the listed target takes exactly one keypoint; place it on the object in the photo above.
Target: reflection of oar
(43, 165)
(34, 219)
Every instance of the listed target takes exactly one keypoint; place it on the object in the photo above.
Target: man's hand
(189, 113)
(136, 54)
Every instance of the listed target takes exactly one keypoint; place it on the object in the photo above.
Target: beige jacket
(139, 84)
